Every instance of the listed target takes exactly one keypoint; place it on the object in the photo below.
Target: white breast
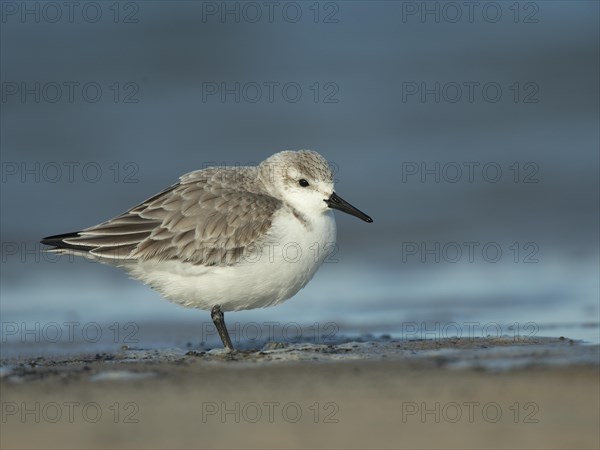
(267, 274)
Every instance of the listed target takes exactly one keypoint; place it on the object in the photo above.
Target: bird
(225, 238)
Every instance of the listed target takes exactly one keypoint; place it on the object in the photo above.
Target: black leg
(219, 320)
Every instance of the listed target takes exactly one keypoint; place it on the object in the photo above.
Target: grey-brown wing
(203, 220)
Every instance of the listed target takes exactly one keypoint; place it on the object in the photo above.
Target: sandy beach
(475, 393)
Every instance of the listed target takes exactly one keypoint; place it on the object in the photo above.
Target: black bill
(339, 203)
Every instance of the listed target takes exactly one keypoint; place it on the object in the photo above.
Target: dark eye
(303, 182)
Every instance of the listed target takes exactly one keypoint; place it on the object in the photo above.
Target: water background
(357, 107)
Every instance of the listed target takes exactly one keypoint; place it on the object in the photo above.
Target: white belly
(270, 274)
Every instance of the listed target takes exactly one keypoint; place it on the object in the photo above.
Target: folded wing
(205, 219)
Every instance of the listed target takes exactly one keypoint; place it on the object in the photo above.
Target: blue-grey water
(472, 141)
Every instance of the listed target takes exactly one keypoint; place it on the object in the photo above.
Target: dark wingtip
(57, 241)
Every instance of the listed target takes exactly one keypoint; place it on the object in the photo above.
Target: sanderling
(225, 238)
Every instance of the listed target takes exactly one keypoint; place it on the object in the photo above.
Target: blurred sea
(510, 174)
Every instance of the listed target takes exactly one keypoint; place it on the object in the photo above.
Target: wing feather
(205, 219)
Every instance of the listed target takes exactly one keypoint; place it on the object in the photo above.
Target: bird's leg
(219, 320)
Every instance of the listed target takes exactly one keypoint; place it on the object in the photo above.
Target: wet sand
(454, 393)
